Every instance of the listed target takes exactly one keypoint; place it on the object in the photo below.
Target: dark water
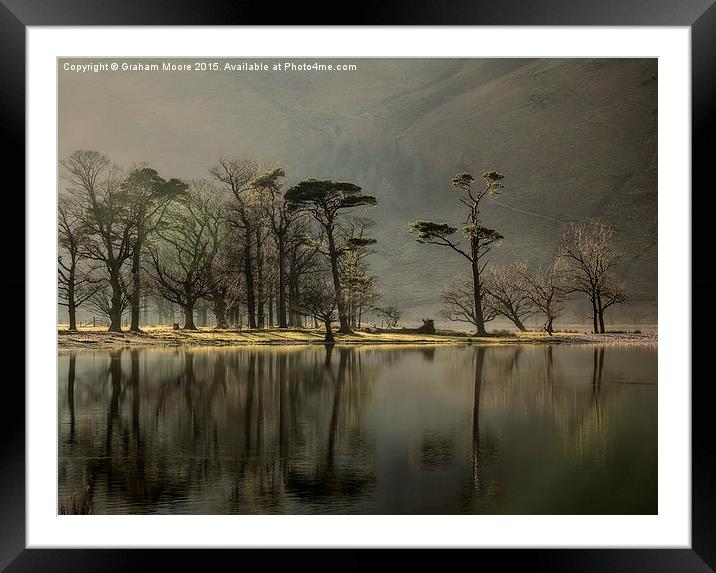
(370, 430)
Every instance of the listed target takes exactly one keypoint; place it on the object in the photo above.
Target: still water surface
(368, 430)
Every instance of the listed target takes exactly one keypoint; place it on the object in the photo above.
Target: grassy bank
(161, 336)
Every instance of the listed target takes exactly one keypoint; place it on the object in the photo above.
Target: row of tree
(236, 241)
(243, 245)
(583, 262)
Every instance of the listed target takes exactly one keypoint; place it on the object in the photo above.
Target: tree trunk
(293, 317)
(248, 273)
(260, 318)
(71, 307)
(477, 292)
(548, 327)
(349, 304)
(600, 310)
(72, 312)
(329, 333)
(518, 323)
(270, 311)
(281, 311)
(136, 283)
(189, 316)
(342, 318)
(219, 308)
(291, 321)
(115, 312)
(291, 281)
(595, 315)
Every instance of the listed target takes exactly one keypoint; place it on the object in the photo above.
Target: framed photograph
(423, 282)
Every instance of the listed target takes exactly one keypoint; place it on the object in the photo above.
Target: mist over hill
(575, 139)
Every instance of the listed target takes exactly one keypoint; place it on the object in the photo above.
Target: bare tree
(237, 176)
(359, 288)
(590, 257)
(363, 294)
(459, 304)
(507, 288)
(227, 292)
(546, 290)
(104, 302)
(317, 298)
(280, 218)
(261, 233)
(302, 254)
(77, 281)
(107, 219)
(220, 277)
(480, 239)
(612, 291)
(149, 196)
(181, 261)
(390, 314)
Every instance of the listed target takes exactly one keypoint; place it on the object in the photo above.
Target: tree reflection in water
(358, 430)
(479, 360)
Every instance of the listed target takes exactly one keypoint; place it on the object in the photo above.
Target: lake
(523, 429)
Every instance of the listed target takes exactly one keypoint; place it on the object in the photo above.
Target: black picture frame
(17, 15)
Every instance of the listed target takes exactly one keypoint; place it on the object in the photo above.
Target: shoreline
(165, 337)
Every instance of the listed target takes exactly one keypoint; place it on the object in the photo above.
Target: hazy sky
(574, 138)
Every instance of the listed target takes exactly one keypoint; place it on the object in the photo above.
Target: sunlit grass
(95, 337)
